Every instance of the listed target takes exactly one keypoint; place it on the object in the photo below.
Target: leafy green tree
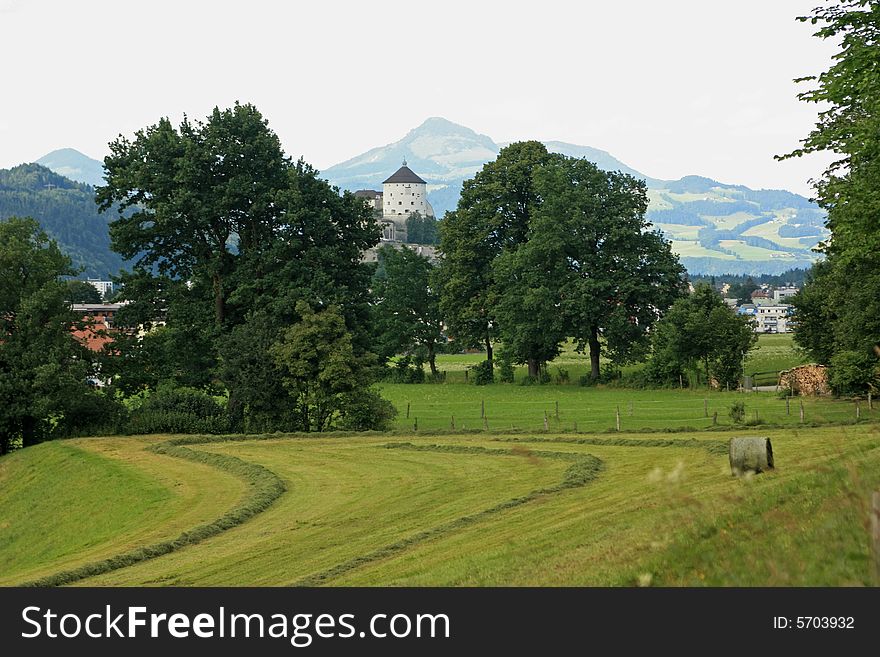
(421, 230)
(407, 307)
(82, 292)
(589, 270)
(492, 216)
(842, 293)
(43, 368)
(700, 332)
(198, 196)
(320, 370)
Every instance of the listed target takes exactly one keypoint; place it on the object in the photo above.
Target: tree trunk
(594, 353)
(28, 431)
(488, 348)
(534, 368)
(432, 359)
(218, 300)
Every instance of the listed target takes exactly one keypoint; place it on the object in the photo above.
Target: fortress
(403, 195)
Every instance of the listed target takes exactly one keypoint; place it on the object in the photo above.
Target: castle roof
(404, 175)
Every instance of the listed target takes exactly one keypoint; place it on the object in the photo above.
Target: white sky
(670, 88)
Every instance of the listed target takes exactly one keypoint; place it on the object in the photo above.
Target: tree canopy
(406, 306)
(700, 332)
(234, 242)
(840, 299)
(545, 247)
(44, 370)
(492, 215)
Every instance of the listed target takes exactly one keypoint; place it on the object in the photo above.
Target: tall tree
(82, 292)
(590, 269)
(849, 126)
(407, 308)
(700, 332)
(492, 216)
(197, 197)
(43, 368)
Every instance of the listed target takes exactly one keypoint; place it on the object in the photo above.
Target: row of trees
(838, 310)
(544, 248)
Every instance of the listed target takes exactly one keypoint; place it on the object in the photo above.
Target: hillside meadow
(457, 509)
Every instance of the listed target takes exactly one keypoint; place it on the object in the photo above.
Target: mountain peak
(70, 163)
(437, 124)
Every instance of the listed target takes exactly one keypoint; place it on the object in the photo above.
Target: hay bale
(750, 455)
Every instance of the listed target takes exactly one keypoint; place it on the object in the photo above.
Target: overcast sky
(670, 88)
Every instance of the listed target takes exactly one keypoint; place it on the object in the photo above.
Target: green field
(478, 509)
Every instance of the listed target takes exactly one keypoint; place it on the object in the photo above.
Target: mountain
(715, 227)
(67, 212)
(74, 165)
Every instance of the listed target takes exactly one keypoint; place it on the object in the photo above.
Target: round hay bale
(750, 455)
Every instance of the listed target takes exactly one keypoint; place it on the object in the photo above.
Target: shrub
(178, 410)
(407, 369)
(738, 411)
(562, 376)
(482, 373)
(586, 380)
(506, 372)
(366, 410)
(852, 372)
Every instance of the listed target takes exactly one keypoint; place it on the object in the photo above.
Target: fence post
(407, 410)
(802, 410)
(788, 405)
(557, 411)
(618, 417)
(546, 426)
(452, 424)
(465, 376)
(416, 425)
(870, 402)
(858, 410)
(485, 423)
(715, 418)
(482, 408)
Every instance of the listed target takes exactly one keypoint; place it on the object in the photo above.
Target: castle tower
(403, 194)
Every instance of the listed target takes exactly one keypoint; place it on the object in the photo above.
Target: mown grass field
(513, 504)
(463, 509)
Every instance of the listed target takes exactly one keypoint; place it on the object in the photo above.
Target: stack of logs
(805, 380)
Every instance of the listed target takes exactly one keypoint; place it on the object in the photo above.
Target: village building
(98, 322)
